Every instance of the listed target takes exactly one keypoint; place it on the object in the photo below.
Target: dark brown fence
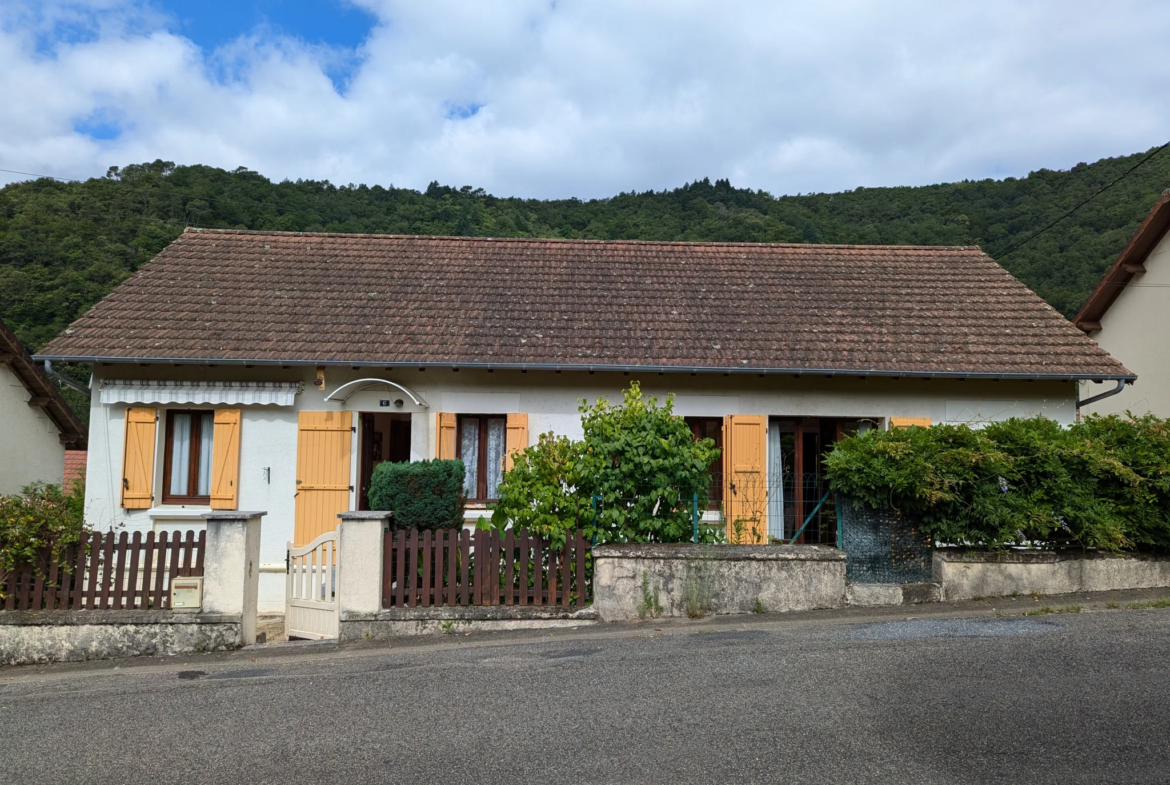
(107, 571)
(450, 567)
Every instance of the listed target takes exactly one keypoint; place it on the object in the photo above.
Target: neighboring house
(36, 424)
(1128, 315)
(271, 371)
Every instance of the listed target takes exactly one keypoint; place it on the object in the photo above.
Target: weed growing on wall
(698, 590)
(650, 605)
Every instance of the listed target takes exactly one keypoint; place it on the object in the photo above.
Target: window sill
(191, 512)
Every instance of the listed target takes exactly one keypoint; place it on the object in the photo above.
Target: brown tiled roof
(75, 461)
(402, 300)
(41, 392)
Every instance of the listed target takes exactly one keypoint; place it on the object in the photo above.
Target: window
(481, 443)
(187, 464)
(711, 428)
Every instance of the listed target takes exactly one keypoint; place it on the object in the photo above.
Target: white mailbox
(186, 594)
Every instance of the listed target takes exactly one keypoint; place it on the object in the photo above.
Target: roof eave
(1147, 237)
(72, 432)
(604, 368)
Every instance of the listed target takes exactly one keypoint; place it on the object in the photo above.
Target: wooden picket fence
(107, 572)
(449, 567)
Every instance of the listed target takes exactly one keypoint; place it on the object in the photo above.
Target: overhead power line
(1090, 198)
(34, 174)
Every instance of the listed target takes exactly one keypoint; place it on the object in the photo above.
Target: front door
(745, 494)
(324, 440)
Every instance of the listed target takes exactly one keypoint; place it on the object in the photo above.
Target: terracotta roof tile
(388, 299)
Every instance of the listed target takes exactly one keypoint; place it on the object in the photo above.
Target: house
(1128, 315)
(271, 371)
(36, 424)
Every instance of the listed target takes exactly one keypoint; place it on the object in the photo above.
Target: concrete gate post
(231, 567)
(359, 545)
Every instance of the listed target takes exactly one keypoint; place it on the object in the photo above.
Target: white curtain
(497, 439)
(180, 454)
(469, 452)
(206, 430)
(775, 483)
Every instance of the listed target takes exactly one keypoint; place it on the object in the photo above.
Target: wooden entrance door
(324, 440)
(745, 494)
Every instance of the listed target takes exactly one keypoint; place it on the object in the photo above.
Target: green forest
(64, 245)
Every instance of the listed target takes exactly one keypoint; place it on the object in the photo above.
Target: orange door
(745, 492)
(324, 440)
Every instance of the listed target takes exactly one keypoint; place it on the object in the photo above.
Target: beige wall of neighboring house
(1136, 330)
(32, 450)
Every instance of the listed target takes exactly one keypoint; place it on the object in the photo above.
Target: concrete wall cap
(364, 515)
(112, 617)
(232, 515)
(476, 613)
(962, 555)
(719, 552)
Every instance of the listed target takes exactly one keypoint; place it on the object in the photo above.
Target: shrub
(1103, 483)
(422, 494)
(540, 492)
(42, 517)
(639, 460)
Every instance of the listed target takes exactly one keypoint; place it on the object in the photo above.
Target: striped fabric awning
(180, 392)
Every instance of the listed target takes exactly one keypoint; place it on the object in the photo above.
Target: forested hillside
(65, 245)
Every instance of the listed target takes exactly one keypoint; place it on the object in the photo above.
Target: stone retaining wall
(67, 636)
(633, 581)
(964, 575)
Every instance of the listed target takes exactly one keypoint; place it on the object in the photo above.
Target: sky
(583, 98)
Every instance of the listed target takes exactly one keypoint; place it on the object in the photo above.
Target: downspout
(65, 380)
(1120, 386)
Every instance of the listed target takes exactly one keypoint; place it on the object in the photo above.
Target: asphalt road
(1060, 698)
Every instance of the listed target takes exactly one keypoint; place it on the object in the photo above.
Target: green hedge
(42, 517)
(1102, 483)
(422, 494)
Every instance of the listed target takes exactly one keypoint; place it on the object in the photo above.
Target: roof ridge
(589, 241)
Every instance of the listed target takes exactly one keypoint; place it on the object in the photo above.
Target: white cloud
(591, 97)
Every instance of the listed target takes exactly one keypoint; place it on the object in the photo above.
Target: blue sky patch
(463, 111)
(98, 125)
(336, 24)
(213, 23)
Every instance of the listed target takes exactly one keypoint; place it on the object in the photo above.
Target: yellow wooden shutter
(517, 437)
(225, 460)
(745, 498)
(445, 435)
(138, 458)
(906, 422)
(323, 472)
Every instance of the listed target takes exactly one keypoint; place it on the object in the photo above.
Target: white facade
(32, 449)
(1135, 330)
(268, 434)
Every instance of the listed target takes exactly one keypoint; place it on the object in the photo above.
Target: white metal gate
(311, 607)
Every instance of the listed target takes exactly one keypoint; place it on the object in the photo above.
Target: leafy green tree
(638, 461)
(543, 491)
